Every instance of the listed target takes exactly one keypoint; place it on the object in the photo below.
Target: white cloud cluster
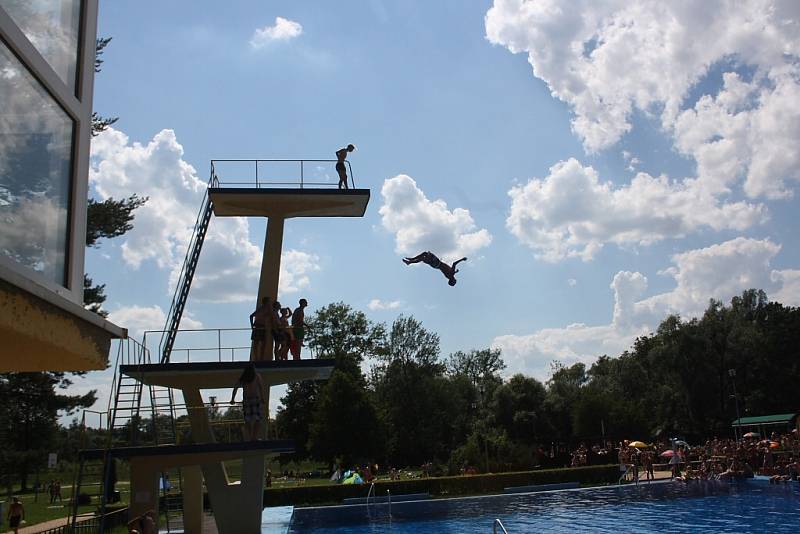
(229, 265)
(720, 271)
(381, 305)
(609, 58)
(571, 213)
(282, 30)
(138, 319)
(419, 224)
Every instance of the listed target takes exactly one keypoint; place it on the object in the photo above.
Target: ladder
(185, 278)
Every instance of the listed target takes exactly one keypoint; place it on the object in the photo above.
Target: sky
(602, 164)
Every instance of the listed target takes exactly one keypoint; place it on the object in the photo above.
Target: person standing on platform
(258, 324)
(341, 155)
(299, 328)
(252, 402)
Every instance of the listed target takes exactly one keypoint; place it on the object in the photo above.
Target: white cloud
(720, 271)
(138, 319)
(229, 264)
(571, 213)
(296, 266)
(380, 305)
(282, 30)
(419, 224)
(571, 282)
(607, 58)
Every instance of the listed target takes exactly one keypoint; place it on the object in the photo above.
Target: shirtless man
(341, 155)
(259, 320)
(16, 515)
(449, 271)
(299, 328)
(252, 401)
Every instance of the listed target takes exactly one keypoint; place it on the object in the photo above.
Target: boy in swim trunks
(252, 402)
(429, 258)
(258, 324)
(341, 170)
(299, 327)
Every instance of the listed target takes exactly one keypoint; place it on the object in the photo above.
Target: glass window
(35, 161)
(52, 26)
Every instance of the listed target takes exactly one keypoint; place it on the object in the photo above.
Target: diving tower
(237, 505)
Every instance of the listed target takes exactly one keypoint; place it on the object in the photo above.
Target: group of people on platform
(286, 327)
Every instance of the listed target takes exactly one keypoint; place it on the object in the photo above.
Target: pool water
(751, 506)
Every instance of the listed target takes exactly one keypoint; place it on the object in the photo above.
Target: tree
(415, 398)
(347, 336)
(31, 403)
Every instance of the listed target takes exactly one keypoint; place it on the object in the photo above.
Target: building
(47, 54)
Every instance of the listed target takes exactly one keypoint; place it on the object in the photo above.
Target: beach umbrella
(638, 444)
(752, 435)
(669, 453)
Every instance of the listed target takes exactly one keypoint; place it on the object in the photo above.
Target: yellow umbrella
(638, 444)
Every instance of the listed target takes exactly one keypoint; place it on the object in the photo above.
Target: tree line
(395, 398)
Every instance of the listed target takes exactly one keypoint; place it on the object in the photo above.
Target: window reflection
(52, 26)
(35, 159)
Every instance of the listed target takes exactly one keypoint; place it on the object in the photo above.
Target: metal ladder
(187, 274)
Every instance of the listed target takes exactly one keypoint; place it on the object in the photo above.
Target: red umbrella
(669, 453)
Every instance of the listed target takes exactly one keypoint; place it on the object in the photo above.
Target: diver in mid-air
(449, 271)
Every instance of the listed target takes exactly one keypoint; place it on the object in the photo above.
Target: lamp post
(732, 374)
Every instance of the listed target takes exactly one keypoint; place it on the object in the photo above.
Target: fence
(260, 173)
(92, 525)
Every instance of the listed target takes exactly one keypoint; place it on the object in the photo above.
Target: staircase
(187, 274)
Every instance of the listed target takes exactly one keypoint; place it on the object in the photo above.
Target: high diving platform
(276, 190)
(219, 375)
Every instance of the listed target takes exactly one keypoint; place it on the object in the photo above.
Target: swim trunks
(252, 409)
(258, 334)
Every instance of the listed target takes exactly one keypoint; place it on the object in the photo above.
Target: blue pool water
(751, 506)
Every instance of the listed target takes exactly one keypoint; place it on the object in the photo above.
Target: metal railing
(210, 345)
(260, 173)
(499, 523)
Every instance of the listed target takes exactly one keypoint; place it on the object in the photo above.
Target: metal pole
(301, 174)
(732, 374)
(256, 162)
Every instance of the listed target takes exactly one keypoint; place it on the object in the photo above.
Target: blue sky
(600, 167)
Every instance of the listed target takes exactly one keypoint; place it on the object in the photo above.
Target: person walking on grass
(252, 402)
(429, 258)
(341, 170)
(16, 515)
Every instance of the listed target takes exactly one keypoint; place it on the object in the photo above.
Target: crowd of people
(716, 459)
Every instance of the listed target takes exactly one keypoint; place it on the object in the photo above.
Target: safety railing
(210, 345)
(262, 173)
(498, 523)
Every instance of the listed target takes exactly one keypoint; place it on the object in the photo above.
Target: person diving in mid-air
(449, 271)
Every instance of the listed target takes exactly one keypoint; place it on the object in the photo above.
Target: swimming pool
(751, 506)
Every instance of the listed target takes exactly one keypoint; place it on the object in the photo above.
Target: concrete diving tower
(276, 204)
(237, 506)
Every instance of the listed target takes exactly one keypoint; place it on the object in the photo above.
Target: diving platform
(219, 375)
(195, 453)
(288, 203)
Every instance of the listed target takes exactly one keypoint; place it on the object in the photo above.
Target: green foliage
(346, 335)
(28, 426)
(345, 424)
(110, 218)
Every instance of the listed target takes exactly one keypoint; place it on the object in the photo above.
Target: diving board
(218, 375)
(288, 203)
